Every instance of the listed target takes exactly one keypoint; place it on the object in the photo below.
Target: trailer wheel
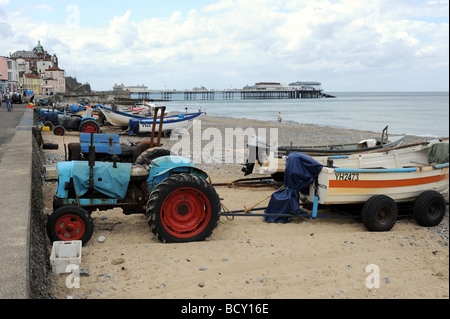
(147, 156)
(183, 208)
(429, 208)
(379, 213)
(70, 223)
(89, 126)
(278, 177)
(59, 130)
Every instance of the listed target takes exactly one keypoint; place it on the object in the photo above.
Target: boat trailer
(248, 212)
(268, 181)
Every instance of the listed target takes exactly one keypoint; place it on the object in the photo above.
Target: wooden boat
(121, 117)
(118, 117)
(169, 123)
(141, 108)
(380, 182)
(266, 163)
(400, 173)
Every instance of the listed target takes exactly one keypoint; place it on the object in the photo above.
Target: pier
(243, 94)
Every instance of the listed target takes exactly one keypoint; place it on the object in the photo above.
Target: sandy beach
(246, 257)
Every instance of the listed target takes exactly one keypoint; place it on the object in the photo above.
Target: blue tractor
(59, 122)
(177, 198)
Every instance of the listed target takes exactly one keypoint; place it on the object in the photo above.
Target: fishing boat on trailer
(376, 185)
(401, 174)
(262, 159)
(381, 181)
(169, 123)
(122, 118)
(118, 117)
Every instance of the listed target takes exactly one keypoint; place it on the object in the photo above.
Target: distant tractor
(59, 123)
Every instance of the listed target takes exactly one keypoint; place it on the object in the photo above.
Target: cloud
(235, 41)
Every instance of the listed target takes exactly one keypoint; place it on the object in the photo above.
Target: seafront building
(9, 76)
(136, 91)
(3, 74)
(31, 58)
(31, 83)
(54, 80)
(32, 72)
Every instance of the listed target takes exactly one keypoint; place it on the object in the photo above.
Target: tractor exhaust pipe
(91, 162)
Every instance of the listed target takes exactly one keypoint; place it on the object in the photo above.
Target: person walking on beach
(8, 101)
(279, 117)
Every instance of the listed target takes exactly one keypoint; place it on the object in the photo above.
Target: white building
(54, 81)
(22, 65)
(43, 65)
(13, 75)
(136, 91)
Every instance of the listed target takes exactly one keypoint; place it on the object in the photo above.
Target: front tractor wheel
(183, 208)
(59, 130)
(70, 223)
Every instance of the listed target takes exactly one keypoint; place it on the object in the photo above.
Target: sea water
(414, 113)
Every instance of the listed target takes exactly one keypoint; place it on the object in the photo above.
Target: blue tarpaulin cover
(75, 108)
(108, 180)
(301, 170)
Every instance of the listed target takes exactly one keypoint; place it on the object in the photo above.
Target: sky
(347, 45)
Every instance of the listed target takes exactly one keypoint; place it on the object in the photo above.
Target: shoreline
(334, 127)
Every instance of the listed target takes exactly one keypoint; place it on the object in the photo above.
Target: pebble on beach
(101, 239)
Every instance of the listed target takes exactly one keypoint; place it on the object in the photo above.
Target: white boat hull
(352, 186)
(119, 118)
(171, 122)
(168, 125)
(401, 174)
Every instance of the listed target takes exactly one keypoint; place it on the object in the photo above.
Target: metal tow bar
(247, 212)
(251, 182)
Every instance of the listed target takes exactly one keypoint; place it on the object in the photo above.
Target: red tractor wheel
(70, 223)
(183, 208)
(59, 130)
(89, 126)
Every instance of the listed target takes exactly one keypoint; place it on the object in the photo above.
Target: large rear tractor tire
(183, 208)
(147, 156)
(89, 126)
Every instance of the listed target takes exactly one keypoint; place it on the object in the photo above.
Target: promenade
(15, 200)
